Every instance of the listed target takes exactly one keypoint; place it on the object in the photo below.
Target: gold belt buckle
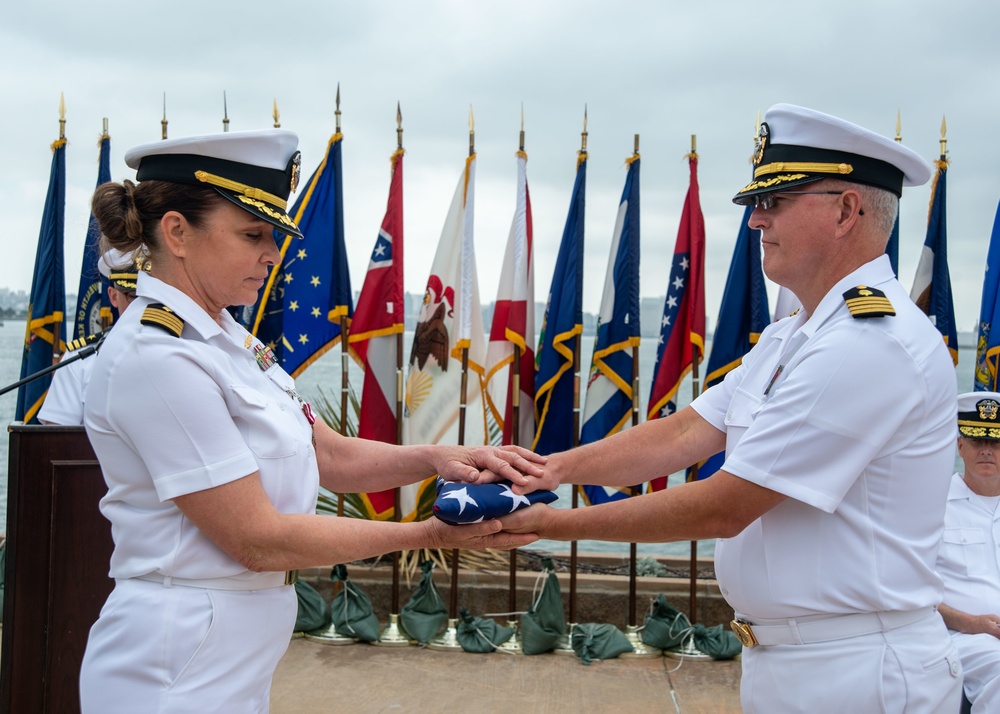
(291, 577)
(744, 633)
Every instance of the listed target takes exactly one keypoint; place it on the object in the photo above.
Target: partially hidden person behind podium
(212, 458)
(64, 399)
(838, 433)
(969, 558)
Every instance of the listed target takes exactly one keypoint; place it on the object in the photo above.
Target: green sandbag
(425, 613)
(351, 611)
(665, 627)
(543, 625)
(717, 642)
(599, 641)
(480, 635)
(313, 613)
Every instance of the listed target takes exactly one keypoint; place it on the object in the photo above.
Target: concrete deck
(315, 677)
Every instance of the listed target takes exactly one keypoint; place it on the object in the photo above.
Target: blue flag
(306, 296)
(988, 342)
(559, 340)
(892, 247)
(459, 503)
(743, 315)
(932, 284)
(93, 309)
(44, 331)
(609, 405)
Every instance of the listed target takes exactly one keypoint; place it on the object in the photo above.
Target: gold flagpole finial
(472, 133)
(694, 146)
(399, 126)
(225, 112)
(899, 127)
(104, 127)
(276, 115)
(163, 121)
(756, 129)
(521, 140)
(336, 112)
(635, 150)
(62, 116)
(944, 141)
(583, 134)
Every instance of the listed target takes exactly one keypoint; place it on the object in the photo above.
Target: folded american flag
(459, 503)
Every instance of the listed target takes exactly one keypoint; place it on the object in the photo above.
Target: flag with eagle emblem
(449, 332)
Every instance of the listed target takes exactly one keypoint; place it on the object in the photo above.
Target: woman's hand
(474, 536)
(485, 464)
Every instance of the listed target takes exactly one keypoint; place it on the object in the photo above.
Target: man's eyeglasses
(767, 200)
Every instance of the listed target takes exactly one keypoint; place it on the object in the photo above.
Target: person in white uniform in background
(212, 459)
(969, 559)
(64, 400)
(839, 437)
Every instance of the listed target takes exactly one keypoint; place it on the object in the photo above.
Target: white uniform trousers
(981, 670)
(161, 650)
(912, 669)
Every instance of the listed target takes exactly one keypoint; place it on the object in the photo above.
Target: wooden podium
(58, 554)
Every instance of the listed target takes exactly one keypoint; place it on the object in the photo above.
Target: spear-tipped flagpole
(225, 113)
(944, 141)
(392, 635)
(448, 640)
(276, 115)
(62, 116)
(575, 498)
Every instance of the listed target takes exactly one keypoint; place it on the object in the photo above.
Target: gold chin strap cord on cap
(248, 191)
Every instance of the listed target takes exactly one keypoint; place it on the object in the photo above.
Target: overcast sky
(663, 70)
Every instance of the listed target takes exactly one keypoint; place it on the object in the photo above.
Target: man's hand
(486, 464)
(475, 536)
(537, 519)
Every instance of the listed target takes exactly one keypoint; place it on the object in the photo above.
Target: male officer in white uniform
(64, 399)
(969, 559)
(838, 433)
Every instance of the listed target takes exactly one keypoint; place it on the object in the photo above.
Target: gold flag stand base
(447, 641)
(565, 646)
(513, 645)
(639, 648)
(687, 651)
(392, 635)
(329, 636)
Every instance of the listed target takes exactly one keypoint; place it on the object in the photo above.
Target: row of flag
(464, 385)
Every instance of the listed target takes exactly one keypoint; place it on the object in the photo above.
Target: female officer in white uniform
(212, 459)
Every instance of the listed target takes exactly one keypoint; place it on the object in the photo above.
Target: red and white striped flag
(378, 319)
(514, 325)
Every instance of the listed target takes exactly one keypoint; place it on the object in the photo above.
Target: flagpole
(639, 648)
(276, 115)
(693, 473)
(225, 113)
(344, 351)
(575, 500)
(513, 644)
(392, 635)
(448, 640)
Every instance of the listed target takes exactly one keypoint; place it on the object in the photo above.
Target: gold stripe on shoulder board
(159, 315)
(863, 302)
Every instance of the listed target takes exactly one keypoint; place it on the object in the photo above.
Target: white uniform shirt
(168, 416)
(858, 430)
(969, 559)
(64, 399)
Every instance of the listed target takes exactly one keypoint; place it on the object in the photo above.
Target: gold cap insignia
(759, 144)
(988, 409)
